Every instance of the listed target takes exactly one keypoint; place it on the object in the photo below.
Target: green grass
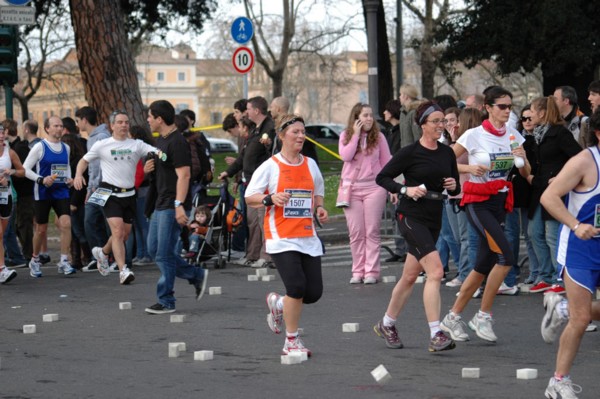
(330, 167)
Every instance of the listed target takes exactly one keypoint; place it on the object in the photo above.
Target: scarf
(539, 132)
(487, 125)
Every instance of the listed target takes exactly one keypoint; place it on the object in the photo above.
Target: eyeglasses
(438, 121)
(503, 107)
(526, 119)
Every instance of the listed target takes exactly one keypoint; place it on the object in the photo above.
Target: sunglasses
(526, 119)
(503, 107)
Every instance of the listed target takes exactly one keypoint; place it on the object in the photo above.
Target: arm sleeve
(32, 159)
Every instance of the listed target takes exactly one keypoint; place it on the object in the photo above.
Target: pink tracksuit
(367, 202)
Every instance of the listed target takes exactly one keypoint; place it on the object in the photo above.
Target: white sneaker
(551, 322)
(6, 275)
(454, 326)
(126, 276)
(294, 345)
(506, 290)
(114, 268)
(241, 261)
(259, 264)
(34, 268)
(455, 282)
(483, 327)
(370, 280)
(275, 316)
(355, 280)
(563, 389)
(102, 261)
(591, 327)
(65, 267)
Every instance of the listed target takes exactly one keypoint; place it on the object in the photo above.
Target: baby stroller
(218, 236)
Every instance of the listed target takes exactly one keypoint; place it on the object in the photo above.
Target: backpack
(201, 170)
(234, 217)
(206, 160)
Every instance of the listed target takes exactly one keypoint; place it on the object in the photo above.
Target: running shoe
(275, 316)
(157, 308)
(91, 267)
(441, 342)
(65, 267)
(483, 327)
(556, 289)
(295, 344)
(591, 327)
(540, 287)
(44, 258)
(506, 290)
(455, 282)
(259, 264)
(370, 280)
(34, 268)
(562, 389)
(355, 280)
(390, 334)
(6, 275)
(201, 285)
(114, 267)
(102, 261)
(126, 276)
(551, 322)
(454, 326)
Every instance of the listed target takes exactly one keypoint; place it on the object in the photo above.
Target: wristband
(40, 180)
(575, 227)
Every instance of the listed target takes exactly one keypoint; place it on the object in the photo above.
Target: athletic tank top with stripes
(585, 206)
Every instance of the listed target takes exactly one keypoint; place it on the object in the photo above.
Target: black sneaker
(91, 267)
(44, 258)
(157, 308)
(389, 334)
(201, 285)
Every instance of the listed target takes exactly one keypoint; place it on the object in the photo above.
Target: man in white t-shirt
(119, 156)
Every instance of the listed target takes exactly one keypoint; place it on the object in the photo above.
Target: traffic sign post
(243, 59)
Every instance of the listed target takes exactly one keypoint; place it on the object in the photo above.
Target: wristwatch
(177, 203)
(268, 201)
(403, 190)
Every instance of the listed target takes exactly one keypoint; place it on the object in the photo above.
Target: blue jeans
(95, 225)
(459, 225)
(139, 235)
(195, 242)
(238, 241)
(512, 230)
(162, 239)
(11, 245)
(552, 227)
(446, 244)
(537, 232)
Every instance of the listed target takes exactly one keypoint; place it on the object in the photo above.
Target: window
(181, 76)
(160, 76)
(181, 107)
(140, 76)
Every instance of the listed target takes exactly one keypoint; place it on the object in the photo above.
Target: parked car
(221, 145)
(325, 132)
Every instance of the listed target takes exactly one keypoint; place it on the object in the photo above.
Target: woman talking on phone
(365, 151)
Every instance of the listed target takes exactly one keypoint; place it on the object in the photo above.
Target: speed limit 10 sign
(243, 59)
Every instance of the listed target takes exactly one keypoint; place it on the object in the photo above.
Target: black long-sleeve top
(420, 165)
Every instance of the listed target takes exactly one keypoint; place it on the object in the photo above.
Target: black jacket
(254, 152)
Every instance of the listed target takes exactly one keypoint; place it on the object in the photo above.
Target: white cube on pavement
(291, 359)
(181, 345)
(524, 288)
(268, 277)
(381, 374)
(214, 290)
(173, 349)
(472, 372)
(527, 374)
(29, 329)
(388, 279)
(350, 327)
(50, 317)
(420, 280)
(124, 305)
(203, 355)
(263, 271)
(177, 318)
(252, 277)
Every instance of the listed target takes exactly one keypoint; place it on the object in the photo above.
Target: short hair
(229, 122)
(47, 121)
(445, 101)
(70, 125)
(552, 114)
(393, 107)
(164, 110)
(283, 103)
(182, 123)
(188, 113)
(259, 103)
(32, 126)
(493, 93)
(113, 115)
(87, 113)
(591, 138)
(569, 93)
(594, 86)
(10, 127)
(240, 105)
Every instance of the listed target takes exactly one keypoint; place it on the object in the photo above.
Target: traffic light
(9, 52)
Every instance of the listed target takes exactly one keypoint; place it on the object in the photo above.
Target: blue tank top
(53, 163)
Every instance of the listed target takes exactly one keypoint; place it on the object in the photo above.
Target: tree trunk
(579, 82)
(105, 59)
(428, 65)
(24, 105)
(384, 64)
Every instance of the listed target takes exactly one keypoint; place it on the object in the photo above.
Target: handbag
(343, 197)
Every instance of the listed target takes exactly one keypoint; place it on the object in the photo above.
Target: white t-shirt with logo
(487, 149)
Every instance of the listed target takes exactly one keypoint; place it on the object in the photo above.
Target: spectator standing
(410, 132)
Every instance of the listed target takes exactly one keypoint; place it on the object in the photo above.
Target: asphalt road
(96, 350)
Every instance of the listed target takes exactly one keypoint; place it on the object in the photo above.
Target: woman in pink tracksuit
(365, 151)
